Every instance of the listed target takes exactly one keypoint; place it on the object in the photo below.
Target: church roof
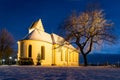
(38, 25)
(38, 35)
(36, 32)
(60, 40)
(56, 38)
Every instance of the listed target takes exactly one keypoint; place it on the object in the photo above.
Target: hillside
(102, 58)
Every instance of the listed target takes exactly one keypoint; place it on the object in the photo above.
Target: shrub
(26, 61)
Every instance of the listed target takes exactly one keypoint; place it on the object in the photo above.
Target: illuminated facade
(37, 41)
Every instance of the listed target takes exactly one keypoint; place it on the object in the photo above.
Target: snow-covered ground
(58, 73)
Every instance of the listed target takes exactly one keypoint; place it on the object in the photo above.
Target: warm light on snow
(58, 73)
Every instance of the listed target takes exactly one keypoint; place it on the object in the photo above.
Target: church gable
(60, 40)
(56, 39)
(36, 25)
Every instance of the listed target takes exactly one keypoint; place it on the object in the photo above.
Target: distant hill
(102, 59)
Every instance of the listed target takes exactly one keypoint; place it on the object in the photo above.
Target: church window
(73, 57)
(61, 55)
(30, 51)
(66, 55)
(43, 52)
(76, 57)
(21, 49)
(70, 57)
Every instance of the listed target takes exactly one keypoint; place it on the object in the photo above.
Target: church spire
(36, 25)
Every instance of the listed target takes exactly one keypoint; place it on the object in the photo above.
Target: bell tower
(36, 25)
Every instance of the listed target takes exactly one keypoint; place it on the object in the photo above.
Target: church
(49, 47)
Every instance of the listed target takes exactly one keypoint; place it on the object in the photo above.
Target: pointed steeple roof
(36, 25)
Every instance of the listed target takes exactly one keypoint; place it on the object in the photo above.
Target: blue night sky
(17, 16)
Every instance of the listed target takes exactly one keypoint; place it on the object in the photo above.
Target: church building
(48, 47)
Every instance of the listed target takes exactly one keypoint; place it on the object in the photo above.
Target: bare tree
(6, 44)
(88, 29)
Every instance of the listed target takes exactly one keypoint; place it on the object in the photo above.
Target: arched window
(43, 52)
(77, 57)
(66, 55)
(30, 51)
(73, 56)
(61, 55)
(69, 57)
(21, 49)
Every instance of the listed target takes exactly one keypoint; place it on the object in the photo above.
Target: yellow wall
(36, 49)
(54, 54)
(63, 52)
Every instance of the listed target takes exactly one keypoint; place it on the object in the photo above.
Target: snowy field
(58, 73)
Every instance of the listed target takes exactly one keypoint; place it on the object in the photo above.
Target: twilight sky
(17, 16)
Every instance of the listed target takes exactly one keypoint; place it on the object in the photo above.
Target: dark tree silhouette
(88, 29)
(38, 59)
(6, 44)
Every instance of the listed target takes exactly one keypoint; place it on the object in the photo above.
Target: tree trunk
(85, 60)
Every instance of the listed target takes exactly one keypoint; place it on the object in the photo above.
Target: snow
(39, 35)
(58, 73)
